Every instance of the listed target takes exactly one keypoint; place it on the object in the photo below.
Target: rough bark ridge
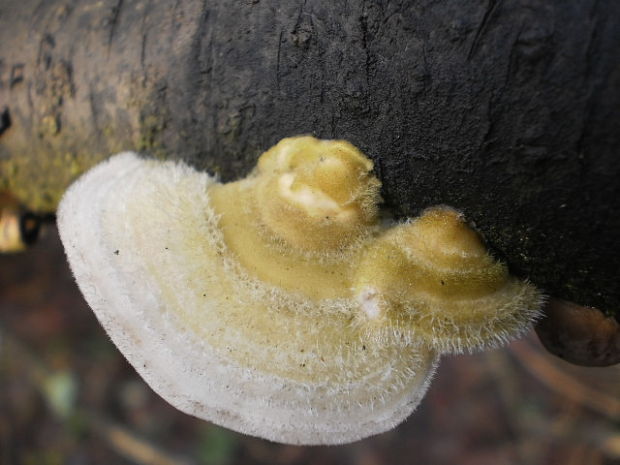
(507, 109)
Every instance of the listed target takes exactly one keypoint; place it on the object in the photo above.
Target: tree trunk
(507, 110)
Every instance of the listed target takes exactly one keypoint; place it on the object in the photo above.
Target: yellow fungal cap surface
(278, 305)
(316, 194)
(434, 276)
(301, 220)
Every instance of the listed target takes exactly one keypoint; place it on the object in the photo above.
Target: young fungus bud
(278, 305)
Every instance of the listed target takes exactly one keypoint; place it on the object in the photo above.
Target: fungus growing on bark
(279, 305)
(434, 276)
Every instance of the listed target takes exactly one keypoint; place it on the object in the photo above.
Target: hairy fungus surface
(279, 305)
(433, 279)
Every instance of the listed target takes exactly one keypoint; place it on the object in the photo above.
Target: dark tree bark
(507, 110)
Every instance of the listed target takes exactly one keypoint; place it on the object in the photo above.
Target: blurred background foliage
(67, 396)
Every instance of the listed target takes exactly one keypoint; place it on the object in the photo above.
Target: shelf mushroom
(280, 305)
(433, 276)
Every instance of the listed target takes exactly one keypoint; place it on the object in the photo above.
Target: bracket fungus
(281, 305)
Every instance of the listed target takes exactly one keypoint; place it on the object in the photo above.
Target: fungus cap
(434, 276)
(149, 255)
(278, 305)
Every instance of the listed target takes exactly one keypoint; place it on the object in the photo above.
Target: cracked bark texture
(507, 110)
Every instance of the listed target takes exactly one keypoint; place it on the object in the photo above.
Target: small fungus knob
(316, 194)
